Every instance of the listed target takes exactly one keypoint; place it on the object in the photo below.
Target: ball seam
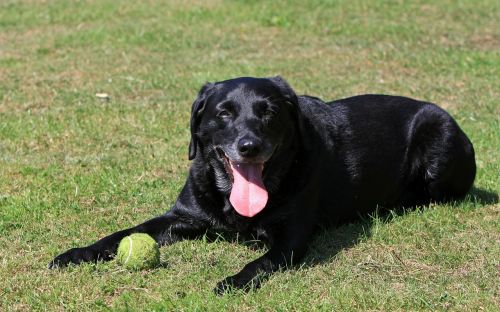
(129, 250)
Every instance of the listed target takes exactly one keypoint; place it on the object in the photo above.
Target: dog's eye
(224, 114)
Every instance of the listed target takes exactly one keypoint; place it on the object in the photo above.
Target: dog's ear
(285, 89)
(292, 99)
(196, 113)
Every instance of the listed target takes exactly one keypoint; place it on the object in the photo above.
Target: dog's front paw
(75, 256)
(234, 283)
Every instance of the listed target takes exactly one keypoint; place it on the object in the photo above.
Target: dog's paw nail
(54, 264)
(222, 288)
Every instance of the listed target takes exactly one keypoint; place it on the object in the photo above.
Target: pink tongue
(248, 195)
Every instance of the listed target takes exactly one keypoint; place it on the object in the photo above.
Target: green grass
(74, 168)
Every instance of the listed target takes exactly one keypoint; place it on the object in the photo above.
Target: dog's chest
(234, 221)
(238, 223)
(249, 228)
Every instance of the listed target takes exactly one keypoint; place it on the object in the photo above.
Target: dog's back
(380, 150)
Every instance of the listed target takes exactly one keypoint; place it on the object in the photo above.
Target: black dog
(273, 165)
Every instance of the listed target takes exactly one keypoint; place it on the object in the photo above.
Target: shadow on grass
(483, 197)
(330, 241)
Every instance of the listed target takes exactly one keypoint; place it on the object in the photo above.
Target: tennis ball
(138, 251)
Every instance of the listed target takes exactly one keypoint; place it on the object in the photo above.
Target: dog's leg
(288, 249)
(165, 229)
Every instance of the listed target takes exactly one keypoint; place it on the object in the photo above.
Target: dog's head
(237, 126)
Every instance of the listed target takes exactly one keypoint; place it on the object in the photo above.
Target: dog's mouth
(226, 162)
(248, 193)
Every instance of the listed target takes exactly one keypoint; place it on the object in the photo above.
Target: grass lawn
(74, 167)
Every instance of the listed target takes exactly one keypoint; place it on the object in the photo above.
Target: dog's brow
(226, 104)
(261, 103)
(271, 98)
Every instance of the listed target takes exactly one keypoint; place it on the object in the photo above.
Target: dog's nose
(249, 147)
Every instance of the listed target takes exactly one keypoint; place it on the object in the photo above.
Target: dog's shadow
(330, 241)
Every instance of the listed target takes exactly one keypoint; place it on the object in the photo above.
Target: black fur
(325, 163)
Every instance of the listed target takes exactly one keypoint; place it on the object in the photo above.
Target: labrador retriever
(269, 164)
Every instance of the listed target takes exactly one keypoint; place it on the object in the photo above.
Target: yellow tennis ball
(138, 251)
